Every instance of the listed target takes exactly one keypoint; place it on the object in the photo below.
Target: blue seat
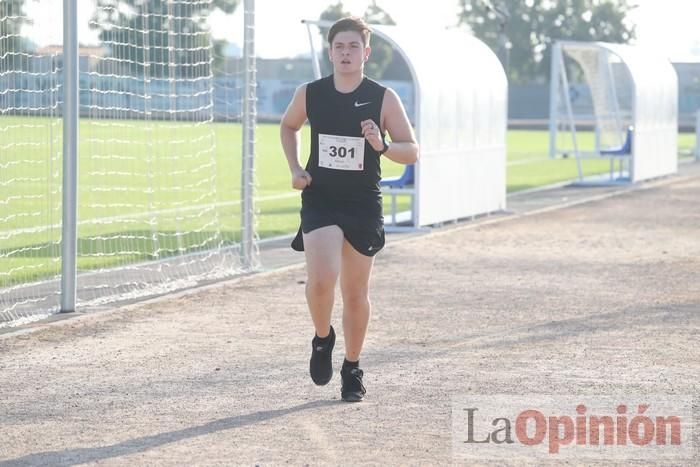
(400, 186)
(406, 178)
(626, 148)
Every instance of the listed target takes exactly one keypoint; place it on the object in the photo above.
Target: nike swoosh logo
(360, 104)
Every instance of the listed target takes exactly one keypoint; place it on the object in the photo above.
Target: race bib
(341, 152)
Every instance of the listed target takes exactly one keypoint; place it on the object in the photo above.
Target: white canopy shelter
(645, 106)
(460, 117)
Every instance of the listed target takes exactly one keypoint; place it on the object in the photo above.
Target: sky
(668, 26)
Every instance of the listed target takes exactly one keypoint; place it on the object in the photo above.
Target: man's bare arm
(403, 147)
(290, 136)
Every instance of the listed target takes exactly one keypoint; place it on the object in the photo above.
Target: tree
(522, 32)
(157, 37)
(12, 18)
(382, 52)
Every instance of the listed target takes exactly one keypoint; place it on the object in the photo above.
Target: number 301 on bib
(341, 152)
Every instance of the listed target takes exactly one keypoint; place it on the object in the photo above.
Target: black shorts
(365, 235)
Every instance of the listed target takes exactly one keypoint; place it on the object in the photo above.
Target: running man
(342, 226)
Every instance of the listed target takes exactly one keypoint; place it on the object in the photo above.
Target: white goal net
(159, 200)
(591, 89)
(30, 164)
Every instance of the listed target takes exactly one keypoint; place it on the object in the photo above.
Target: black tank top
(335, 114)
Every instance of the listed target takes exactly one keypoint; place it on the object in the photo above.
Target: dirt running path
(600, 298)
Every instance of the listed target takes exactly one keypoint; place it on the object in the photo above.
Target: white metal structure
(629, 87)
(697, 136)
(460, 123)
(69, 244)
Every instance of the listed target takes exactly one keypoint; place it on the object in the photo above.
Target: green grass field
(141, 186)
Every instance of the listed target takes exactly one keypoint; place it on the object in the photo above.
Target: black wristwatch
(385, 148)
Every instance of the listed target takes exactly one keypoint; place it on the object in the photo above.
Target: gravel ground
(594, 299)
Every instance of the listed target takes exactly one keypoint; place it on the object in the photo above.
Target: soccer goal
(617, 102)
(114, 182)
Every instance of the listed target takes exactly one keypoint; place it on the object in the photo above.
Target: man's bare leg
(355, 273)
(323, 249)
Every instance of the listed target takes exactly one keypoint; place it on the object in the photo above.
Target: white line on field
(528, 161)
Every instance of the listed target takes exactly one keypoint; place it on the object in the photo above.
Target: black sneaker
(353, 390)
(321, 366)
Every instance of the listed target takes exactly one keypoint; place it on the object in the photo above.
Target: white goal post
(697, 136)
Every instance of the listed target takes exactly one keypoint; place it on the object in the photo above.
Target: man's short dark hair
(350, 23)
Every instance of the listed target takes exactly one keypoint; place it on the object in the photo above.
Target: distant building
(50, 56)
(109, 88)
(530, 102)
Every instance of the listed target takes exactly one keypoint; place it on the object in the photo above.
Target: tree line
(160, 37)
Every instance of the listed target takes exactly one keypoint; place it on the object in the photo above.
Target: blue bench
(622, 153)
(406, 178)
(625, 149)
(401, 185)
